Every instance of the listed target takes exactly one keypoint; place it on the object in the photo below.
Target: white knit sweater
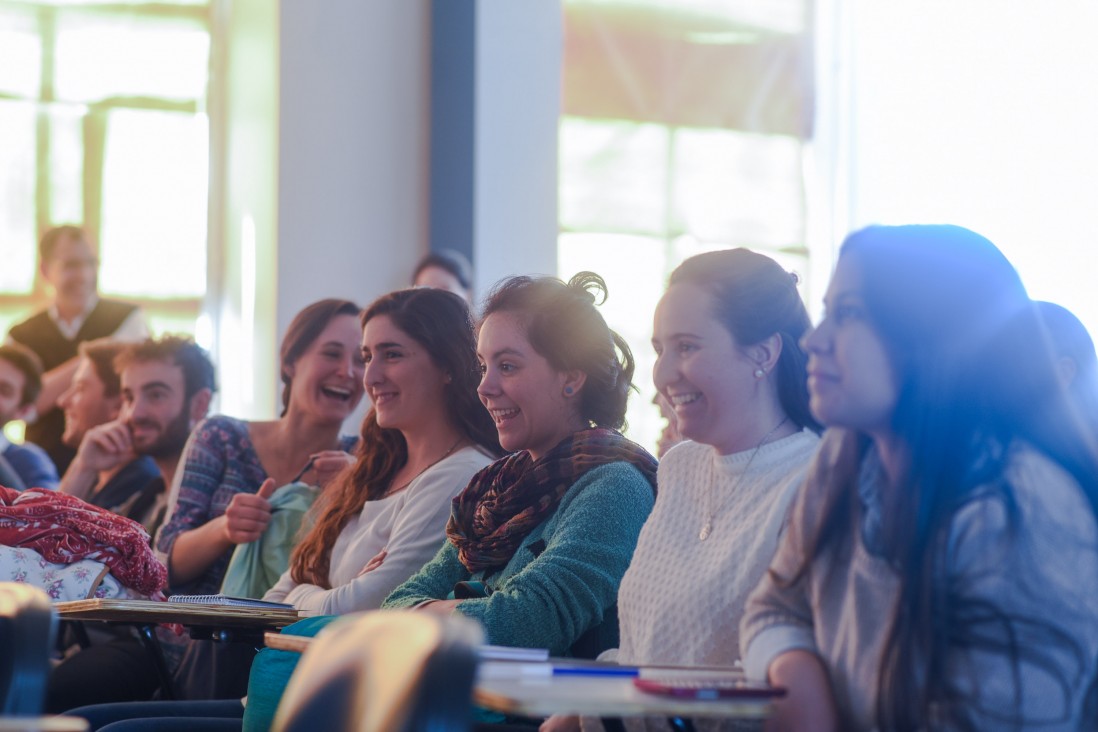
(682, 598)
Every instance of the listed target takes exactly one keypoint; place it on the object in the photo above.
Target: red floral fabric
(64, 529)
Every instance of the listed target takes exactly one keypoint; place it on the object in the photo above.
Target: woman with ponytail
(539, 541)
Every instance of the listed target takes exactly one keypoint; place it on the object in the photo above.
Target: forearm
(79, 479)
(808, 703)
(194, 551)
(434, 581)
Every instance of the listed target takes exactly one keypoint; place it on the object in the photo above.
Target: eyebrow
(380, 346)
(683, 334)
(505, 352)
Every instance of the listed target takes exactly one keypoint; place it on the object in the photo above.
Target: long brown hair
(440, 322)
(975, 374)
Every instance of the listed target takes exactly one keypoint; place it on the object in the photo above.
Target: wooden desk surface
(149, 612)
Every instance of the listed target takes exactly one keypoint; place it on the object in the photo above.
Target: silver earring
(759, 373)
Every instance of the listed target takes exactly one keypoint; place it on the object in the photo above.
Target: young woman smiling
(421, 443)
(726, 337)
(531, 554)
(940, 570)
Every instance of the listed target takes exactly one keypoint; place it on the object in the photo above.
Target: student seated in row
(20, 383)
(940, 570)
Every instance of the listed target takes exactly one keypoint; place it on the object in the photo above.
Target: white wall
(353, 157)
(518, 68)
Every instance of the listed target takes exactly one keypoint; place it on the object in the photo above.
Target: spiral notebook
(228, 600)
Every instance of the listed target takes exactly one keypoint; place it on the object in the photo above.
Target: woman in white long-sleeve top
(422, 441)
(940, 570)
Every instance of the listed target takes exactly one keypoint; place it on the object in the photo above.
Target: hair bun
(589, 285)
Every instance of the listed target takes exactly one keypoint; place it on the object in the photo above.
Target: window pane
(153, 240)
(613, 176)
(129, 2)
(739, 188)
(163, 323)
(17, 209)
(635, 274)
(100, 56)
(66, 163)
(20, 54)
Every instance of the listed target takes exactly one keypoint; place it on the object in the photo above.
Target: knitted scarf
(506, 500)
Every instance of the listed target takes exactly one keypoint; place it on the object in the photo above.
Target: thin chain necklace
(429, 466)
(710, 509)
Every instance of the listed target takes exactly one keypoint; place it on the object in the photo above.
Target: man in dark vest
(69, 265)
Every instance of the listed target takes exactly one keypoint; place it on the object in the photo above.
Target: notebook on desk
(229, 601)
(268, 615)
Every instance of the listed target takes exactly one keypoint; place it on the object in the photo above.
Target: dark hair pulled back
(754, 298)
(564, 326)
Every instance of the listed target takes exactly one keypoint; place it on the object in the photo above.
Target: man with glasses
(69, 266)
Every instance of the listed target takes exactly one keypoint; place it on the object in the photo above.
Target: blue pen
(596, 671)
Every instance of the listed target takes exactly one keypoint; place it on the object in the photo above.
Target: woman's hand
(808, 703)
(439, 607)
(561, 723)
(374, 563)
(247, 516)
(328, 464)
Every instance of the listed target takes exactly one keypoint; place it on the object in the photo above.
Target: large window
(685, 130)
(103, 123)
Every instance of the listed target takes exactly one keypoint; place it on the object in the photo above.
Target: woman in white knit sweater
(728, 362)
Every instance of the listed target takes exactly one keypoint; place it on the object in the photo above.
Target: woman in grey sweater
(940, 569)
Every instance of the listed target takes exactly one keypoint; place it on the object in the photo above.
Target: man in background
(20, 382)
(125, 462)
(69, 265)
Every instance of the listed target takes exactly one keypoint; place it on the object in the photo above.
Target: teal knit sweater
(563, 578)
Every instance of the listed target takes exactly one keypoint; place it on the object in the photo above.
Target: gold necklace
(429, 466)
(711, 511)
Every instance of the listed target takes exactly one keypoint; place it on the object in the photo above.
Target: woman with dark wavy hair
(940, 570)
(539, 540)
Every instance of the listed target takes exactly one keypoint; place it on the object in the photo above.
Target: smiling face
(523, 393)
(702, 372)
(326, 380)
(85, 403)
(850, 376)
(12, 381)
(403, 381)
(72, 269)
(154, 407)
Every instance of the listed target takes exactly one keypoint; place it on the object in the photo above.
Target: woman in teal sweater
(530, 552)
